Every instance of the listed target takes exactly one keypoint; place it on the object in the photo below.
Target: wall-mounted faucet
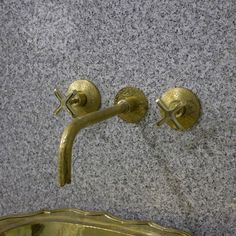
(179, 109)
(130, 104)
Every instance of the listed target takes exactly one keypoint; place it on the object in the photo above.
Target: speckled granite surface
(185, 180)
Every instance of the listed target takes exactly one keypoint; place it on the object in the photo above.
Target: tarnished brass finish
(73, 222)
(180, 108)
(92, 98)
(141, 104)
(64, 102)
(128, 104)
(81, 98)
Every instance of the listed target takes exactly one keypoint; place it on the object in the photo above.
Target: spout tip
(64, 171)
(63, 181)
(64, 175)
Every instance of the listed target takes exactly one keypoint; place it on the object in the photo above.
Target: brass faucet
(179, 108)
(130, 105)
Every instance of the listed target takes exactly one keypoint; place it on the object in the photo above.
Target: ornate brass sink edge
(96, 220)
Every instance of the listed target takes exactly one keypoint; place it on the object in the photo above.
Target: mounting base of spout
(141, 106)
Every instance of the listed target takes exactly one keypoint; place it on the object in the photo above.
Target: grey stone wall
(184, 180)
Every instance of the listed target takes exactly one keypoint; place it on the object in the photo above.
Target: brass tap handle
(81, 98)
(170, 114)
(179, 108)
(65, 102)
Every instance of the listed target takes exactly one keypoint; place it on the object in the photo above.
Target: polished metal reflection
(73, 222)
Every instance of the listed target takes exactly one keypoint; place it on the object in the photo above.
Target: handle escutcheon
(82, 97)
(179, 108)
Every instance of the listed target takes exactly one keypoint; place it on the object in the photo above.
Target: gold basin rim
(7, 222)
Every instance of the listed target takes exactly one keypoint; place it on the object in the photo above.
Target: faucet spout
(70, 132)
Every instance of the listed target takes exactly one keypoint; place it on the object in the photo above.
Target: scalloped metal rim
(8, 221)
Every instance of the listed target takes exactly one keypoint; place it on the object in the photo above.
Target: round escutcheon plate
(142, 105)
(191, 111)
(93, 97)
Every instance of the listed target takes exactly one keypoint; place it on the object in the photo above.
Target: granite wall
(184, 180)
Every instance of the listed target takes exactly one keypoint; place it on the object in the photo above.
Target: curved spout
(70, 132)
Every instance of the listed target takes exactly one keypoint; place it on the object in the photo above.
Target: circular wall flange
(93, 97)
(141, 107)
(191, 110)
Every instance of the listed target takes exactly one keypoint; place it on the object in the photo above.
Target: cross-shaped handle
(65, 102)
(170, 114)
